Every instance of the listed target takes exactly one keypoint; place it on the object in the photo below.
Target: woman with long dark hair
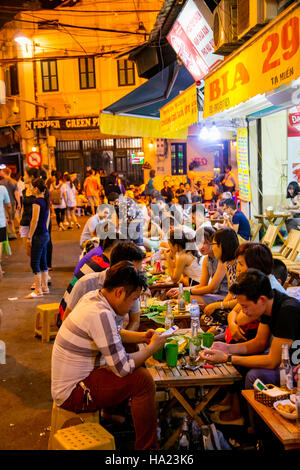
(58, 196)
(293, 194)
(71, 202)
(38, 238)
(183, 259)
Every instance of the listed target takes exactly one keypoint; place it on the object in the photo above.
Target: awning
(137, 114)
(267, 61)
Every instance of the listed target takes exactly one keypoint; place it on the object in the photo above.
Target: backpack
(56, 196)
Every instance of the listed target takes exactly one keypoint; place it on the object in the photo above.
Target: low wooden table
(271, 219)
(176, 380)
(285, 430)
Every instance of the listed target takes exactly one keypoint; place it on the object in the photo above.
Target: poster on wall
(294, 144)
(243, 164)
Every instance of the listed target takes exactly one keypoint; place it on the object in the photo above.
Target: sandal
(33, 295)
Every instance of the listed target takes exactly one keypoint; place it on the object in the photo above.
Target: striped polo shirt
(88, 339)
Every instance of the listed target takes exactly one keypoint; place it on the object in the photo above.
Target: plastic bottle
(286, 371)
(152, 257)
(181, 299)
(298, 400)
(195, 326)
(169, 318)
(2, 352)
(184, 437)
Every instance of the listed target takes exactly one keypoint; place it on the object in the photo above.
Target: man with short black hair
(167, 193)
(237, 221)
(278, 315)
(125, 251)
(90, 367)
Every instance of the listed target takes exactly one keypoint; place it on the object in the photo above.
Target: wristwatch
(229, 360)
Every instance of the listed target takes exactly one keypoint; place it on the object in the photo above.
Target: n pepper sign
(34, 159)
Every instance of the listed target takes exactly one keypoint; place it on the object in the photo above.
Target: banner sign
(192, 39)
(179, 113)
(64, 124)
(294, 144)
(243, 165)
(269, 61)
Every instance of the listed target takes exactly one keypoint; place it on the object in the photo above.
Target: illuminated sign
(191, 37)
(137, 158)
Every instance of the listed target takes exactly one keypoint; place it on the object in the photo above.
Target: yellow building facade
(61, 68)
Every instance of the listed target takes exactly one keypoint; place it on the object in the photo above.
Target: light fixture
(24, 42)
(204, 134)
(34, 149)
(141, 28)
(234, 143)
(214, 133)
(150, 144)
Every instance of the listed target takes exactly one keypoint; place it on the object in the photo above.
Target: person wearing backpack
(58, 197)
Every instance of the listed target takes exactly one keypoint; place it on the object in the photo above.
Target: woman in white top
(293, 193)
(71, 202)
(183, 258)
(58, 198)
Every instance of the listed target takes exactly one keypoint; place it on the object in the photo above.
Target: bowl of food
(286, 408)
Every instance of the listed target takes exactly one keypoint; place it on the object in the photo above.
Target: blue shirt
(4, 199)
(41, 227)
(244, 227)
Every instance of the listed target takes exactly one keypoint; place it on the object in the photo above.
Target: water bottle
(152, 261)
(181, 299)
(286, 370)
(169, 318)
(2, 352)
(184, 437)
(195, 326)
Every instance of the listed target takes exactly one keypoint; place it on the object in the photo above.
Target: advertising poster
(294, 144)
(243, 164)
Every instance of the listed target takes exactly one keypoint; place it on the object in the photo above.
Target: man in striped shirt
(90, 367)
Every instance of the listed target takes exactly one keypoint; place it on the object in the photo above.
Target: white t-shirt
(71, 195)
(89, 228)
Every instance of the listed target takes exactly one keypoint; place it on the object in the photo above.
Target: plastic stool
(45, 321)
(79, 211)
(61, 418)
(86, 436)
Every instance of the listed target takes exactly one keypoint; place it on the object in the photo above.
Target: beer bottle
(286, 371)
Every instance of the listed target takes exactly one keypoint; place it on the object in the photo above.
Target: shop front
(80, 145)
(259, 83)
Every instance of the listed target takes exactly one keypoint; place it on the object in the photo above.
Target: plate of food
(286, 408)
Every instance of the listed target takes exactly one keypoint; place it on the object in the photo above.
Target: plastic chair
(45, 321)
(86, 436)
(61, 419)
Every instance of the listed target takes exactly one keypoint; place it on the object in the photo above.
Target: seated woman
(224, 245)
(249, 255)
(183, 258)
(213, 283)
(293, 193)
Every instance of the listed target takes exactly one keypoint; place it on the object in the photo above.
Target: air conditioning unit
(252, 15)
(225, 27)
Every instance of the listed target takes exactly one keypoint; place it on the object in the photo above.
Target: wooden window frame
(49, 75)
(126, 68)
(86, 73)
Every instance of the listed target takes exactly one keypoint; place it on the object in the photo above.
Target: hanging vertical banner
(243, 164)
(179, 113)
(294, 144)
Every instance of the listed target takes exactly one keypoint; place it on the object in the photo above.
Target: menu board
(243, 164)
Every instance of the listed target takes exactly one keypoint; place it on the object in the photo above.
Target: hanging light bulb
(204, 134)
(214, 133)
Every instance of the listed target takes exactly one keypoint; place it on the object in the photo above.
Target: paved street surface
(25, 397)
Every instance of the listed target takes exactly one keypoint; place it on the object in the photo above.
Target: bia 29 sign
(270, 60)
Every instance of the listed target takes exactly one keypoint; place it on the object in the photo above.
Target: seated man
(90, 367)
(121, 252)
(89, 229)
(237, 221)
(95, 264)
(278, 315)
